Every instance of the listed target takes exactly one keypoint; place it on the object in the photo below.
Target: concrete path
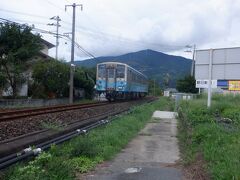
(152, 155)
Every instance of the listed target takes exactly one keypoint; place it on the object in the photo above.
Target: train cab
(114, 81)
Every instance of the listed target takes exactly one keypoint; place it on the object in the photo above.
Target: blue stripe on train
(121, 86)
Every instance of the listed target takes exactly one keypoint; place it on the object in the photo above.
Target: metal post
(210, 78)
(72, 53)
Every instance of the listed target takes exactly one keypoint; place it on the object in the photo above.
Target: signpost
(218, 64)
(204, 84)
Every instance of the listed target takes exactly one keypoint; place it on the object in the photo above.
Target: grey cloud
(111, 27)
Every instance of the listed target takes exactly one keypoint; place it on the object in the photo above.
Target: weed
(83, 164)
(201, 132)
(51, 125)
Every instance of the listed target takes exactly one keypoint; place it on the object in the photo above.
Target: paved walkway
(150, 156)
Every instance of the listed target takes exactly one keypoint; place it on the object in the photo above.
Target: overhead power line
(64, 36)
(108, 36)
(83, 50)
(31, 26)
(93, 32)
(23, 13)
(80, 48)
(56, 6)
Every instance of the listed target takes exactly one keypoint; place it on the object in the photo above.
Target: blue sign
(222, 83)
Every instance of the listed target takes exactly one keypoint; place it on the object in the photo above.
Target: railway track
(16, 114)
(16, 149)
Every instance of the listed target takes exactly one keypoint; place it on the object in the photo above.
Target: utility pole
(193, 59)
(72, 51)
(57, 19)
(191, 49)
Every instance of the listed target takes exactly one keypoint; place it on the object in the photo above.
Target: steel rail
(43, 108)
(11, 115)
(29, 152)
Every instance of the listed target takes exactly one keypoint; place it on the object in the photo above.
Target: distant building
(43, 54)
(224, 64)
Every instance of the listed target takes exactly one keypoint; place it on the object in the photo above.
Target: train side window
(102, 70)
(133, 76)
(120, 71)
(130, 75)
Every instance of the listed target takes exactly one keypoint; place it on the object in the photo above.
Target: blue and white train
(119, 81)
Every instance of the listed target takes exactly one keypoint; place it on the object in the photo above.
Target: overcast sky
(114, 27)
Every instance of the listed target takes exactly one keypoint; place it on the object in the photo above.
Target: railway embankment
(83, 153)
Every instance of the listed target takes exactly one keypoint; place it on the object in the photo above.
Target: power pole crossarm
(72, 51)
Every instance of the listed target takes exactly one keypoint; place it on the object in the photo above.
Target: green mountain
(155, 65)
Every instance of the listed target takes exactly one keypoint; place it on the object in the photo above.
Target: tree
(91, 72)
(187, 84)
(51, 77)
(154, 88)
(17, 46)
(3, 82)
(83, 79)
(166, 80)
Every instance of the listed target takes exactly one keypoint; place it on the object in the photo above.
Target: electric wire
(80, 47)
(92, 32)
(106, 36)
(25, 14)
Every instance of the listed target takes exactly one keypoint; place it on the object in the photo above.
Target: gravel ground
(14, 128)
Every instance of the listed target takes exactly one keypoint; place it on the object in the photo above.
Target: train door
(111, 80)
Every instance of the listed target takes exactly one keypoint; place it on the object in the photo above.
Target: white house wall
(45, 49)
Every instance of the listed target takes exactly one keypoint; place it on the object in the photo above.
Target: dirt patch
(145, 134)
(196, 170)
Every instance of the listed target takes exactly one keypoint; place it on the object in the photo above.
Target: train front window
(120, 71)
(111, 73)
(101, 70)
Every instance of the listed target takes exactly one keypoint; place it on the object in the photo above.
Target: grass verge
(213, 134)
(83, 153)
